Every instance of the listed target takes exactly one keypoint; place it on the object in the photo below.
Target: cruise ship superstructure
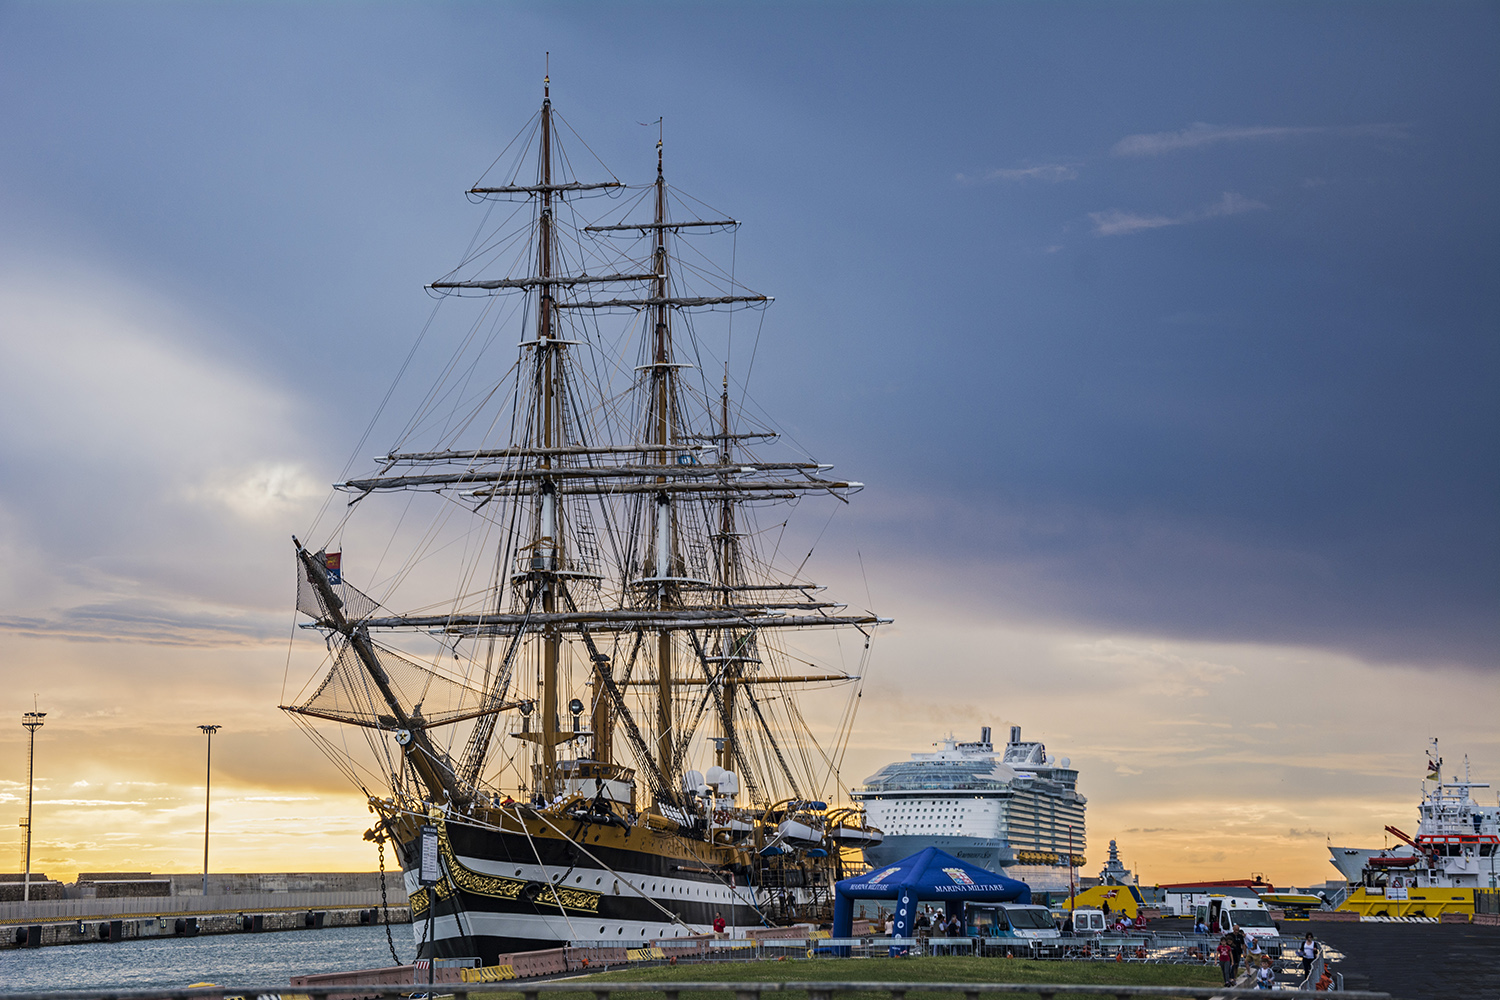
(1016, 809)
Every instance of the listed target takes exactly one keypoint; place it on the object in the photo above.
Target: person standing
(1227, 964)
(719, 923)
(1237, 942)
(1307, 951)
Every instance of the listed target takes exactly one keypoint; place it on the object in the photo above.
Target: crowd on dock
(1235, 948)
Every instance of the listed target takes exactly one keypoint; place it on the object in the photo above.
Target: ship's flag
(332, 562)
(1434, 768)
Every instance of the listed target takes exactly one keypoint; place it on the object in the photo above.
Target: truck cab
(1225, 914)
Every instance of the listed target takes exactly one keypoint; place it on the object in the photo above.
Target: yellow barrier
(487, 974)
(645, 954)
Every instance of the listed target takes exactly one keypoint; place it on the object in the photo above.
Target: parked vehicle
(1223, 914)
(1087, 921)
(1012, 920)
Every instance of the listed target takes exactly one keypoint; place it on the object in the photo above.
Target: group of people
(1235, 945)
(931, 923)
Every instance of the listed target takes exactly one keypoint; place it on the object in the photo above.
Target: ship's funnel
(1015, 734)
(984, 734)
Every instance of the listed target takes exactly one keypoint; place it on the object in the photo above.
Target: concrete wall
(39, 890)
(173, 906)
(231, 883)
(39, 933)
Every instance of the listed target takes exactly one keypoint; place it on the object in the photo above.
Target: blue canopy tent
(929, 874)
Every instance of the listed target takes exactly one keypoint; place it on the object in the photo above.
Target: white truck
(1225, 914)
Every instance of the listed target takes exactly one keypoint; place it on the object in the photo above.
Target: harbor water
(223, 959)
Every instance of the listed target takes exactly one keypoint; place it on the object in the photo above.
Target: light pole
(208, 770)
(1072, 892)
(32, 721)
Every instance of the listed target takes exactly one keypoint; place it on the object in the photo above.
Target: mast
(546, 557)
(660, 434)
(727, 579)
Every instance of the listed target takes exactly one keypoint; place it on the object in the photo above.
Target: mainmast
(546, 559)
(660, 433)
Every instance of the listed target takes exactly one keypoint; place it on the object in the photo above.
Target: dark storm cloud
(1113, 367)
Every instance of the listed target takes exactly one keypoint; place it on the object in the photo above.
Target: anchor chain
(385, 906)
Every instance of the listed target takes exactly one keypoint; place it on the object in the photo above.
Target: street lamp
(32, 721)
(207, 774)
(1072, 891)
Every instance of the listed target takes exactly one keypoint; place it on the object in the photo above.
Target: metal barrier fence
(602, 990)
(1180, 949)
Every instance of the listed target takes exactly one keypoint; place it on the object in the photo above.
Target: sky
(1163, 334)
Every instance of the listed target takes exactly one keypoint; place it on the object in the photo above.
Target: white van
(1021, 920)
(1088, 921)
(1223, 914)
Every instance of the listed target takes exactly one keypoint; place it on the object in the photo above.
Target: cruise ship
(1016, 809)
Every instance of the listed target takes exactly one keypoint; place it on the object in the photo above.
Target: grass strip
(924, 969)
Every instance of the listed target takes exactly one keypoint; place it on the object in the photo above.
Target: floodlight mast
(32, 721)
(207, 775)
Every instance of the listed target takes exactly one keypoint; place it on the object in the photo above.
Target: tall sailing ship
(598, 710)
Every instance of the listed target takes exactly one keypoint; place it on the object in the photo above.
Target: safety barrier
(488, 974)
(529, 964)
(603, 990)
(594, 957)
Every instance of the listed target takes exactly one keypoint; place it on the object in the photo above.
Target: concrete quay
(248, 906)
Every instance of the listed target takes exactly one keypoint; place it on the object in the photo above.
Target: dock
(102, 909)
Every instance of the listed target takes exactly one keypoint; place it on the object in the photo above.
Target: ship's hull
(505, 891)
(1351, 861)
(989, 853)
(1415, 902)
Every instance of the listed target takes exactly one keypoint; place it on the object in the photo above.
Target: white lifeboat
(855, 836)
(799, 832)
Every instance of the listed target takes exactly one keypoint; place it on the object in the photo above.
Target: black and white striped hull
(617, 896)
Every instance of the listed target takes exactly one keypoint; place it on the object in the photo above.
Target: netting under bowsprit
(350, 694)
(310, 601)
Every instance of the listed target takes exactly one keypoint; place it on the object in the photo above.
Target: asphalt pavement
(1412, 961)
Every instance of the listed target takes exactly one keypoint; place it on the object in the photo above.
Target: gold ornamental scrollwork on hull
(502, 887)
(418, 899)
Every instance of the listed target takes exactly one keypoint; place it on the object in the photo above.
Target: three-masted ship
(598, 712)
